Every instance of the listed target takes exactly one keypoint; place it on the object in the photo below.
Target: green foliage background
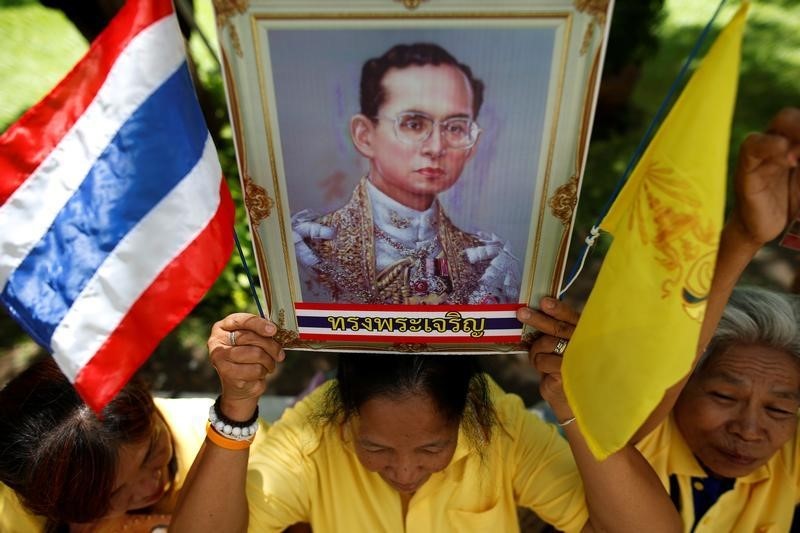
(648, 43)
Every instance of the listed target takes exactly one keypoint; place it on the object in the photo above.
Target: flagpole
(249, 276)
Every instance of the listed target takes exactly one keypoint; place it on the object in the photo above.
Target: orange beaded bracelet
(222, 442)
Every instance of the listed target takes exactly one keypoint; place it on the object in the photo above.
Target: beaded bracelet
(221, 415)
(231, 429)
(224, 442)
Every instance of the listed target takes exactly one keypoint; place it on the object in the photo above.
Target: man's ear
(472, 149)
(362, 131)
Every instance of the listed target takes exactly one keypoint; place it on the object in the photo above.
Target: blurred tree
(90, 17)
(632, 40)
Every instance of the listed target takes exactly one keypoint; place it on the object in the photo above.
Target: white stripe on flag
(139, 258)
(149, 59)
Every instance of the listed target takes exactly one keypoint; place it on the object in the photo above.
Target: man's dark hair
(400, 56)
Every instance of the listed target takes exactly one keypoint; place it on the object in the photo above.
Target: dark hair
(58, 456)
(460, 392)
(400, 56)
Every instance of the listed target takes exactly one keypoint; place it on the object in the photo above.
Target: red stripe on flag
(27, 143)
(411, 339)
(171, 296)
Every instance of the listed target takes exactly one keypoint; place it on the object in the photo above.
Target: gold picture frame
(499, 231)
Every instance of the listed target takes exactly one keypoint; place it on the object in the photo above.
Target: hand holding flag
(767, 187)
(767, 181)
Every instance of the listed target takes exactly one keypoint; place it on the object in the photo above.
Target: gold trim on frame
(273, 165)
(585, 130)
(333, 346)
(227, 9)
(236, 126)
(528, 336)
(411, 4)
(259, 204)
(597, 9)
(592, 87)
(410, 347)
(588, 101)
(528, 293)
(561, 259)
(262, 268)
(284, 336)
(562, 206)
(490, 15)
(563, 202)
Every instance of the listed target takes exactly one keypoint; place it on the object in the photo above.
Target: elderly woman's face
(404, 440)
(740, 408)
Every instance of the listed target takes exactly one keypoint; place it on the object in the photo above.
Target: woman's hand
(767, 181)
(556, 321)
(243, 353)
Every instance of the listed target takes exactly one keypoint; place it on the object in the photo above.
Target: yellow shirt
(186, 419)
(13, 516)
(303, 473)
(763, 501)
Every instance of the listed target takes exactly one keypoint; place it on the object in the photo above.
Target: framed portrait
(410, 168)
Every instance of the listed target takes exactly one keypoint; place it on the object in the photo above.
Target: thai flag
(114, 216)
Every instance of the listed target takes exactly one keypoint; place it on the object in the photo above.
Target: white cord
(590, 240)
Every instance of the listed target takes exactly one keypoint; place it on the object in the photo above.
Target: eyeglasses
(416, 128)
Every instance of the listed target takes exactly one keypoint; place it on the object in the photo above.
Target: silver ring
(232, 338)
(560, 346)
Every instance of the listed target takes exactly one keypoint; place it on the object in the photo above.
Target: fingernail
(281, 355)
(271, 329)
(524, 313)
(548, 303)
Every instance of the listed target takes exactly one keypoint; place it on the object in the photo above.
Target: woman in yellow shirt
(368, 462)
(398, 443)
(63, 468)
(728, 451)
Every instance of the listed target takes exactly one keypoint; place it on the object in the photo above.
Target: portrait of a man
(393, 242)
(410, 175)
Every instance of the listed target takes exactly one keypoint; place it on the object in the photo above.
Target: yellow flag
(638, 333)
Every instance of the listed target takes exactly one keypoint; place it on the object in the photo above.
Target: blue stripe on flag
(150, 154)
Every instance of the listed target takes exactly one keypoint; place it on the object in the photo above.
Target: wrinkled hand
(767, 180)
(556, 320)
(243, 367)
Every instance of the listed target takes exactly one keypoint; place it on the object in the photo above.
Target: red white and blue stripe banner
(490, 323)
(114, 215)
